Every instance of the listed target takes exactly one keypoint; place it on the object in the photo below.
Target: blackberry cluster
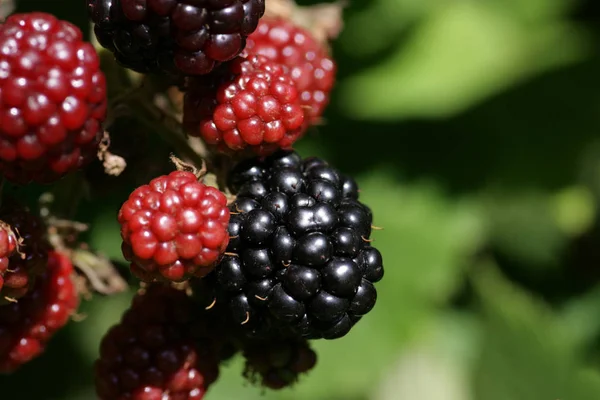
(174, 37)
(299, 259)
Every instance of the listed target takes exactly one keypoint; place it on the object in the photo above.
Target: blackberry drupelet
(174, 37)
(299, 260)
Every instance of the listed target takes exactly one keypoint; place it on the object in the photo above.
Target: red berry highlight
(174, 228)
(27, 325)
(253, 106)
(52, 98)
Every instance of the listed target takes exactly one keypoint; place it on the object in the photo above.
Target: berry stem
(101, 274)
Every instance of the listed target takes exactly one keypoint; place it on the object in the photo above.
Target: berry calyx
(174, 37)
(174, 228)
(156, 351)
(311, 67)
(26, 326)
(52, 98)
(254, 105)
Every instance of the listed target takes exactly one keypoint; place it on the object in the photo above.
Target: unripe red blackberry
(174, 228)
(300, 261)
(277, 363)
(25, 234)
(8, 247)
(26, 326)
(175, 37)
(309, 62)
(253, 105)
(159, 350)
(52, 98)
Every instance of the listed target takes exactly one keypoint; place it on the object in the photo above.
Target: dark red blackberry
(163, 348)
(277, 364)
(299, 259)
(175, 37)
(27, 325)
(28, 260)
(52, 98)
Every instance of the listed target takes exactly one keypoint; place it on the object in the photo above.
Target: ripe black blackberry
(174, 37)
(299, 260)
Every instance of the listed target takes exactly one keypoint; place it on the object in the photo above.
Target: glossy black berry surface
(300, 258)
(175, 37)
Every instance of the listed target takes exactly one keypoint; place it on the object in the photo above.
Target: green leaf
(526, 352)
(444, 68)
(437, 365)
(522, 225)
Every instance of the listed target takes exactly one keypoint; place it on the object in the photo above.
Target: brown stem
(101, 274)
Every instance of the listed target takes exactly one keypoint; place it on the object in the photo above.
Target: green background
(473, 128)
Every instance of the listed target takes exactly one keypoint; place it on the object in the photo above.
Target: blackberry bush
(236, 245)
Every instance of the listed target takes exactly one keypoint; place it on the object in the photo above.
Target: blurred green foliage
(474, 130)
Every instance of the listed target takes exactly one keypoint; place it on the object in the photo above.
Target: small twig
(247, 318)
(214, 302)
(101, 274)
(181, 165)
(114, 165)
